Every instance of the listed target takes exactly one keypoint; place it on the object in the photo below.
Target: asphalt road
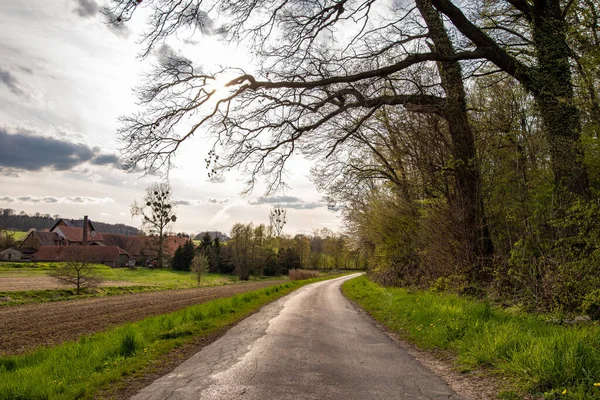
(311, 344)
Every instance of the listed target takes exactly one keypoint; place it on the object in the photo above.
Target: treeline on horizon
(10, 219)
(255, 250)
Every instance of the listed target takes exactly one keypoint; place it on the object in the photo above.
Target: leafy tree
(182, 259)
(7, 239)
(205, 241)
(177, 261)
(157, 211)
(288, 259)
(216, 261)
(199, 266)
(271, 265)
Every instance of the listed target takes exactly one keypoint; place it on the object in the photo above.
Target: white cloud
(287, 202)
(62, 200)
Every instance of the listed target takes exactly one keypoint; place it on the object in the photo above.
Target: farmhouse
(37, 239)
(46, 245)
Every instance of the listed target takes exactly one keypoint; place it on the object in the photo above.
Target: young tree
(200, 265)
(77, 270)
(157, 211)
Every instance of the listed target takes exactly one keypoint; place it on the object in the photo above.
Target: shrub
(300, 274)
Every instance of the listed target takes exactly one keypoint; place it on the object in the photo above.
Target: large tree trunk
(468, 203)
(161, 238)
(550, 82)
(553, 92)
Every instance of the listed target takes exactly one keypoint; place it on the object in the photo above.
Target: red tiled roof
(171, 243)
(96, 254)
(74, 234)
(144, 245)
(134, 245)
(46, 238)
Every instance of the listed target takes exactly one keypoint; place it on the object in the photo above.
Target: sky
(65, 78)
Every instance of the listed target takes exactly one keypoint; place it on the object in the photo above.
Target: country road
(311, 344)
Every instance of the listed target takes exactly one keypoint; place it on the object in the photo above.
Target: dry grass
(300, 274)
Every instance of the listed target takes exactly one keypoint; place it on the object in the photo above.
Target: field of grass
(146, 280)
(143, 276)
(78, 369)
(18, 235)
(537, 357)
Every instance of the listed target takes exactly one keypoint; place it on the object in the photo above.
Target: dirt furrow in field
(25, 327)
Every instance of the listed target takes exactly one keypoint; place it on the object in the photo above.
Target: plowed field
(25, 327)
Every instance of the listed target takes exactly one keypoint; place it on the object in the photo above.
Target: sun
(218, 86)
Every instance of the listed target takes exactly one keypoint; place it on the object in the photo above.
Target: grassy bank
(78, 369)
(537, 357)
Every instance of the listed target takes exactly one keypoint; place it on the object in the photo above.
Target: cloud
(217, 201)
(201, 202)
(115, 25)
(106, 159)
(28, 199)
(12, 83)
(86, 8)
(23, 150)
(287, 202)
(275, 199)
(51, 199)
(90, 9)
(218, 178)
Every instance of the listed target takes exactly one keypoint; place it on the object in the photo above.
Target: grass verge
(78, 369)
(537, 357)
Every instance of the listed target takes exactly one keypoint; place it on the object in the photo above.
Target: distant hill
(9, 219)
(213, 234)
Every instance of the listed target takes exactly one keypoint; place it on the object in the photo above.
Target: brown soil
(24, 327)
(46, 282)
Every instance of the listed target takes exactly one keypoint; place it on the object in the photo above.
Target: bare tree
(322, 62)
(157, 211)
(77, 270)
(277, 220)
(326, 69)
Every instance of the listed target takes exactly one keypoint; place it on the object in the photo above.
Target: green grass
(536, 356)
(18, 235)
(42, 296)
(163, 277)
(78, 369)
(146, 280)
(144, 276)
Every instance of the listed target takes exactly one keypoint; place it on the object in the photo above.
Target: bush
(301, 274)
